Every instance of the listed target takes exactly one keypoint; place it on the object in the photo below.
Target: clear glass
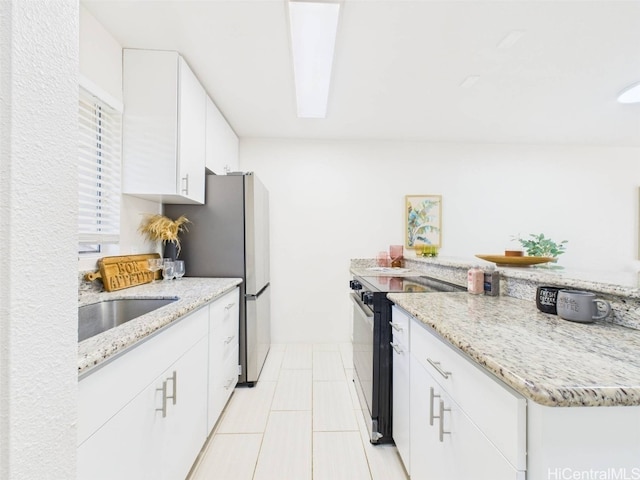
(178, 268)
(154, 264)
(167, 269)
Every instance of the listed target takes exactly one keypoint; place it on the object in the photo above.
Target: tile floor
(301, 421)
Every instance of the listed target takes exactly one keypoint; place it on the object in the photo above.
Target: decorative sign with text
(124, 271)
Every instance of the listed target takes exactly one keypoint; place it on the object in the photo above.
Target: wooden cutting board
(124, 271)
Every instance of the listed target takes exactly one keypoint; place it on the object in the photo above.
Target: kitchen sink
(102, 316)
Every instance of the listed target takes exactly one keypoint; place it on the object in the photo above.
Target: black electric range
(372, 356)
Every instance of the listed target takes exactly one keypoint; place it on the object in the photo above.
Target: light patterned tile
(271, 369)
(278, 347)
(326, 347)
(298, 356)
(355, 401)
(293, 391)
(332, 407)
(384, 461)
(286, 448)
(346, 352)
(248, 409)
(339, 456)
(229, 457)
(327, 365)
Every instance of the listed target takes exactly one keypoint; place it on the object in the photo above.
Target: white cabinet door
(445, 443)
(192, 119)
(401, 386)
(222, 142)
(223, 353)
(163, 128)
(145, 440)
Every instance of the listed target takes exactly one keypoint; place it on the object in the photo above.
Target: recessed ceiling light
(313, 36)
(470, 81)
(631, 94)
(510, 39)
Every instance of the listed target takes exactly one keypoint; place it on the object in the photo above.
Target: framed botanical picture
(423, 220)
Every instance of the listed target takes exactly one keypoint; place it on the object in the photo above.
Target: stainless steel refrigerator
(229, 237)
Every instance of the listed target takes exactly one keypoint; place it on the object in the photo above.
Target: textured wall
(38, 218)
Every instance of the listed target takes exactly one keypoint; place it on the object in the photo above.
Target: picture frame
(423, 221)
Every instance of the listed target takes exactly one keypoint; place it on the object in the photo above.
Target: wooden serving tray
(124, 271)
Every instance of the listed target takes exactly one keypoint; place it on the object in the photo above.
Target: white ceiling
(399, 65)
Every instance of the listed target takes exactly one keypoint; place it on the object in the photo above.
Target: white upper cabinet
(222, 142)
(164, 128)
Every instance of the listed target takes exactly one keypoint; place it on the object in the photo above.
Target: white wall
(333, 201)
(101, 63)
(38, 238)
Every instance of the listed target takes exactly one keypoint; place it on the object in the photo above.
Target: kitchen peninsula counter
(549, 360)
(192, 293)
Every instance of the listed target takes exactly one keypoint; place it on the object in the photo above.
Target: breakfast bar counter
(549, 360)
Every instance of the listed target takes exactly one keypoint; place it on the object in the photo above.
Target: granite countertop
(549, 360)
(192, 293)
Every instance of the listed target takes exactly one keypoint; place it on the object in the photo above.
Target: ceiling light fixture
(631, 94)
(313, 37)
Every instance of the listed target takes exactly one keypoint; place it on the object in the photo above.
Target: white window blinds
(99, 171)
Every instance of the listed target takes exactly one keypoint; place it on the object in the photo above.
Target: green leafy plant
(541, 246)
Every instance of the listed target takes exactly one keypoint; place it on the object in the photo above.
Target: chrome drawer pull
(441, 432)
(432, 396)
(229, 383)
(396, 326)
(174, 379)
(163, 389)
(396, 347)
(229, 339)
(230, 306)
(437, 366)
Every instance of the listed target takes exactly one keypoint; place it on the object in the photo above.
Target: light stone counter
(192, 293)
(547, 359)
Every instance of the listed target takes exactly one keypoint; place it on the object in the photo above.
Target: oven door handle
(366, 311)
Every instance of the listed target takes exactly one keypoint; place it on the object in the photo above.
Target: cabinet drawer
(106, 391)
(400, 327)
(498, 411)
(225, 313)
(221, 385)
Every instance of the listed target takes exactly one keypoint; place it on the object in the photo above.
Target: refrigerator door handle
(253, 296)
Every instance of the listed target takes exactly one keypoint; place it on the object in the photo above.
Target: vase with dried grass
(160, 228)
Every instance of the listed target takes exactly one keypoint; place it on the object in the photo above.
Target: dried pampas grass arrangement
(158, 227)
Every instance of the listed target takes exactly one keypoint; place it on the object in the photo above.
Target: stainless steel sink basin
(102, 316)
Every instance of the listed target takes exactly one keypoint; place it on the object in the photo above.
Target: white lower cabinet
(445, 443)
(143, 442)
(401, 386)
(148, 412)
(451, 421)
(223, 353)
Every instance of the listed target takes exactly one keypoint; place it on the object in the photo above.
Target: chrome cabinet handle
(396, 347)
(174, 379)
(163, 389)
(441, 431)
(438, 367)
(229, 383)
(229, 339)
(230, 306)
(185, 179)
(432, 396)
(396, 326)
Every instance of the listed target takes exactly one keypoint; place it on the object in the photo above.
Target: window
(98, 170)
